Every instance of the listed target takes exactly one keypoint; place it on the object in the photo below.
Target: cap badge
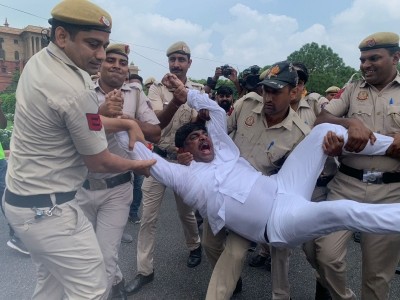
(371, 43)
(273, 71)
(126, 48)
(249, 121)
(185, 49)
(362, 95)
(105, 21)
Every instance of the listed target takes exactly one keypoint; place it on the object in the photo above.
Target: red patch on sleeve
(94, 122)
(338, 94)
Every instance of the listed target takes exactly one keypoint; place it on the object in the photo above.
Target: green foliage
(325, 67)
(5, 136)
(14, 82)
(8, 102)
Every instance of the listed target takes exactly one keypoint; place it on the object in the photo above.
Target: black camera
(226, 70)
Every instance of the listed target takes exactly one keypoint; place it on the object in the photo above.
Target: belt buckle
(371, 176)
(97, 184)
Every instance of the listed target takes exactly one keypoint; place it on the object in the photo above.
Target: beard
(226, 105)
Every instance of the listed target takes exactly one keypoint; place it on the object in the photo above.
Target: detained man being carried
(275, 209)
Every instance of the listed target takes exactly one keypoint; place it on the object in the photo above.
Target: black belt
(41, 200)
(107, 183)
(387, 177)
(159, 151)
(324, 180)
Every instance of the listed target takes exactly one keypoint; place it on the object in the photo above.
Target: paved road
(173, 280)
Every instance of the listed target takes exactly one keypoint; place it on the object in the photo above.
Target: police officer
(369, 104)
(331, 92)
(106, 198)
(260, 129)
(58, 135)
(164, 105)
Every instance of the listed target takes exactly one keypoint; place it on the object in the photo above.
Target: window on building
(2, 54)
(4, 69)
(16, 55)
(16, 42)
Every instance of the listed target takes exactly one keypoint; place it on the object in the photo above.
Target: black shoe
(118, 291)
(137, 283)
(194, 258)
(321, 292)
(357, 237)
(16, 244)
(126, 238)
(239, 286)
(398, 270)
(259, 261)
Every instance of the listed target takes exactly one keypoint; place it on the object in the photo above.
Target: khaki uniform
(265, 148)
(153, 191)
(380, 112)
(107, 208)
(53, 127)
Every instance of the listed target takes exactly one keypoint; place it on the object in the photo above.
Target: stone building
(16, 47)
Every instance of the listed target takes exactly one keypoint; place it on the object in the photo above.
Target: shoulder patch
(94, 122)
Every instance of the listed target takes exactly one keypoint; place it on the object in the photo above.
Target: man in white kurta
(274, 209)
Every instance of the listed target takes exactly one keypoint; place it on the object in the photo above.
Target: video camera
(226, 70)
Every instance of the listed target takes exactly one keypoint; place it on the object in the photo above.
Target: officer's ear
(61, 36)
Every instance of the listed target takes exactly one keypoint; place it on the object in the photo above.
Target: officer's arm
(106, 162)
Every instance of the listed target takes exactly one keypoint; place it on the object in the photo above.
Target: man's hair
(393, 50)
(70, 28)
(183, 132)
(302, 71)
(135, 76)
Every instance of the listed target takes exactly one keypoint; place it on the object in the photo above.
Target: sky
(239, 33)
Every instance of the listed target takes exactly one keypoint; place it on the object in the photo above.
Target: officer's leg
(280, 273)
(377, 269)
(228, 268)
(189, 224)
(111, 220)
(57, 244)
(153, 193)
(213, 245)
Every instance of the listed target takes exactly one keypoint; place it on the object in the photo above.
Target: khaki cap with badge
(280, 75)
(178, 47)
(149, 81)
(380, 40)
(332, 89)
(82, 13)
(122, 49)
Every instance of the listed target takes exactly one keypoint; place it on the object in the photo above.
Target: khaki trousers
(329, 253)
(65, 251)
(108, 211)
(226, 254)
(153, 193)
(279, 270)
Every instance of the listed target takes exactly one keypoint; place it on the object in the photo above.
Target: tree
(325, 67)
(14, 82)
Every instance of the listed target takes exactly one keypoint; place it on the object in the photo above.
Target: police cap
(280, 75)
(379, 40)
(122, 49)
(82, 13)
(178, 47)
(332, 89)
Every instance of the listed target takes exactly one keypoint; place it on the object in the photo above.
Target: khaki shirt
(380, 112)
(306, 113)
(266, 148)
(316, 102)
(56, 120)
(137, 106)
(160, 97)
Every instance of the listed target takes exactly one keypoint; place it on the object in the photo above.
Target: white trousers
(295, 219)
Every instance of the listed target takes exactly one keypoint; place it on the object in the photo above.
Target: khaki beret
(379, 40)
(332, 89)
(149, 80)
(178, 47)
(82, 13)
(122, 49)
